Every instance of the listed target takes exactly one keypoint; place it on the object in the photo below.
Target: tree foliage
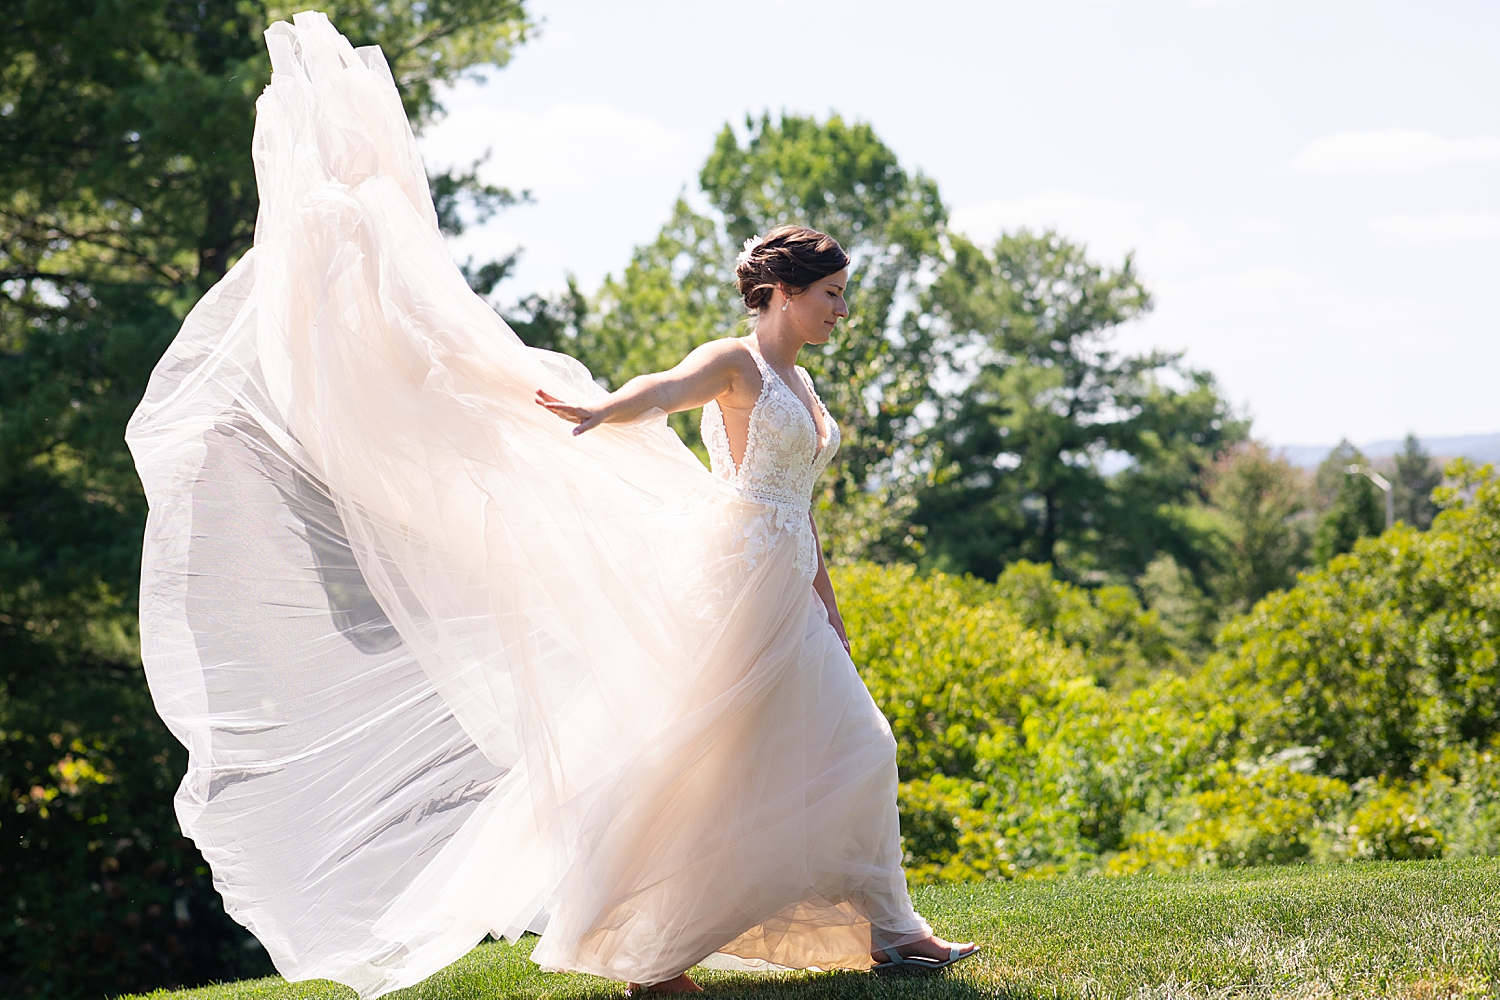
(1352, 507)
(1261, 507)
(1020, 450)
(1416, 477)
(1387, 655)
(678, 292)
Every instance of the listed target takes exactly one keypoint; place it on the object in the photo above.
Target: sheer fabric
(444, 669)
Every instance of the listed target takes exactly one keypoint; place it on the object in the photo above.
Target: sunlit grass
(1413, 930)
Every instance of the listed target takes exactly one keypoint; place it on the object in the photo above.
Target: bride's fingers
(573, 414)
(582, 416)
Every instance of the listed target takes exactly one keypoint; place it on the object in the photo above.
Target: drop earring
(785, 304)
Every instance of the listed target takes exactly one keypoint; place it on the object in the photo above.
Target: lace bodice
(783, 459)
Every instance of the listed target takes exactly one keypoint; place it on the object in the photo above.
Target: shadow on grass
(849, 986)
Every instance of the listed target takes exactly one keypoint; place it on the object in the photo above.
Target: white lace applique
(783, 459)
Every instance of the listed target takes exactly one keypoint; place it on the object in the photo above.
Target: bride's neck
(776, 341)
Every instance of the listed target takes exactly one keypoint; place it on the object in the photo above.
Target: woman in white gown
(442, 669)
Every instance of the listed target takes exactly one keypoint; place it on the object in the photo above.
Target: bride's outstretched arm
(709, 372)
(823, 586)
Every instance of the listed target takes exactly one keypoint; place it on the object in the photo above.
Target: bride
(444, 670)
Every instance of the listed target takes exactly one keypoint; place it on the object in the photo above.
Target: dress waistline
(778, 500)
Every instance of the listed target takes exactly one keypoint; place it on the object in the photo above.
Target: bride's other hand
(586, 417)
(837, 621)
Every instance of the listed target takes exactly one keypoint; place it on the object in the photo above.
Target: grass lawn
(1411, 930)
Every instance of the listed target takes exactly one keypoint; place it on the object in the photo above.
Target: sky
(1309, 187)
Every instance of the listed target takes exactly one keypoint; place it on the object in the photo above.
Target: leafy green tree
(841, 178)
(1417, 475)
(678, 291)
(126, 190)
(1261, 506)
(1020, 451)
(460, 200)
(1353, 506)
(1188, 616)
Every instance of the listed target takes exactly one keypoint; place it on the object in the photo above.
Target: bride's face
(814, 312)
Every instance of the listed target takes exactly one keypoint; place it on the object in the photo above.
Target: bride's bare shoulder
(732, 348)
(731, 356)
(730, 353)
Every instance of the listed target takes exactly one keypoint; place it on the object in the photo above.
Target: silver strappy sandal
(918, 963)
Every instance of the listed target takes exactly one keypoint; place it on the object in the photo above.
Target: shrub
(1386, 658)
(1266, 815)
(1389, 824)
(1013, 759)
(1461, 793)
(953, 671)
(1125, 644)
(948, 830)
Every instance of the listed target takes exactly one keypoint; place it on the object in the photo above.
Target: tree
(126, 190)
(1021, 450)
(1417, 475)
(1352, 508)
(1260, 502)
(678, 291)
(841, 178)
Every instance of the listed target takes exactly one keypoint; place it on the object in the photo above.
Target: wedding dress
(444, 669)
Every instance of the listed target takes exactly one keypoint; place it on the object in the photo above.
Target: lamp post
(1383, 483)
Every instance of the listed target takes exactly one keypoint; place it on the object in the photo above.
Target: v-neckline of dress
(821, 437)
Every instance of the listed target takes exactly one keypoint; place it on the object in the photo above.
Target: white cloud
(1392, 151)
(1439, 227)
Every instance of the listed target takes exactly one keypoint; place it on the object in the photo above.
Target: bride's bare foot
(682, 984)
(930, 952)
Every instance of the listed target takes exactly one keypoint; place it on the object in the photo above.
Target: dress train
(445, 670)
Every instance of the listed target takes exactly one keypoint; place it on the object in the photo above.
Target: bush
(1014, 761)
(1124, 644)
(1385, 659)
(1461, 793)
(102, 894)
(1389, 824)
(1267, 815)
(948, 831)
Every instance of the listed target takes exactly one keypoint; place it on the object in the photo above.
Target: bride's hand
(586, 417)
(837, 621)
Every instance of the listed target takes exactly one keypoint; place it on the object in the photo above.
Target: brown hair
(794, 256)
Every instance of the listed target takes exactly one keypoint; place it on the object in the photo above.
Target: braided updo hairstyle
(793, 256)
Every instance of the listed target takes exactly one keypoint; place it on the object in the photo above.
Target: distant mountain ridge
(1477, 447)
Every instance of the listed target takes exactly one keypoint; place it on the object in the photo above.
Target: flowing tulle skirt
(445, 670)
